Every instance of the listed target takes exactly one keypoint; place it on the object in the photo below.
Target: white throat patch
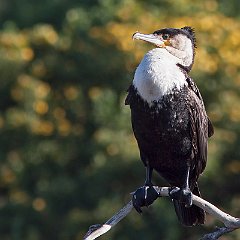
(157, 75)
(182, 48)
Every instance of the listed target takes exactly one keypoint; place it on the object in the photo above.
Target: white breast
(157, 75)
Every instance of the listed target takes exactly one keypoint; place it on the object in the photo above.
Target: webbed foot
(182, 195)
(144, 196)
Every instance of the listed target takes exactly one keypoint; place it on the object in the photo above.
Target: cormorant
(169, 120)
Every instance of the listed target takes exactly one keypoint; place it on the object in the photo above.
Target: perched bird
(169, 120)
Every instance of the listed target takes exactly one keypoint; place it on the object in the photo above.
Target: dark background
(67, 153)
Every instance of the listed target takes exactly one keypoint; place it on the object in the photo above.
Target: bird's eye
(165, 36)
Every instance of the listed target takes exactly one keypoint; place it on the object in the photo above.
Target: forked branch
(230, 223)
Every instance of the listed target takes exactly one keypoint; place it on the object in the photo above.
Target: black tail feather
(189, 216)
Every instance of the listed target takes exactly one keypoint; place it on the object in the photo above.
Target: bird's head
(181, 43)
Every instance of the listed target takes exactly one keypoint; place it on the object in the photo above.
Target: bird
(169, 121)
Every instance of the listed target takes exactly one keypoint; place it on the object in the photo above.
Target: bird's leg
(183, 194)
(148, 181)
(146, 195)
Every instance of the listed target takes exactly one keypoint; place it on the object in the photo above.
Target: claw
(144, 196)
(182, 195)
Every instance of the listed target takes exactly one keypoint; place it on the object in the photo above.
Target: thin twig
(231, 223)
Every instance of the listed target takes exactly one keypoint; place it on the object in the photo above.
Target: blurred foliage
(68, 155)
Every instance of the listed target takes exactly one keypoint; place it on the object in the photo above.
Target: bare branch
(99, 229)
(226, 219)
(231, 223)
(217, 233)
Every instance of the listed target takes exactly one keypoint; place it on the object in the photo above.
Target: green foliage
(68, 157)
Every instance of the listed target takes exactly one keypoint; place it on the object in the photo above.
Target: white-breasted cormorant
(169, 120)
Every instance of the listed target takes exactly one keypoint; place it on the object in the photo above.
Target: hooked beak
(151, 38)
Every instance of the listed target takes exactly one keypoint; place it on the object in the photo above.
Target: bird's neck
(157, 75)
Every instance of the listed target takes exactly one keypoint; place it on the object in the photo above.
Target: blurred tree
(68, 156)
